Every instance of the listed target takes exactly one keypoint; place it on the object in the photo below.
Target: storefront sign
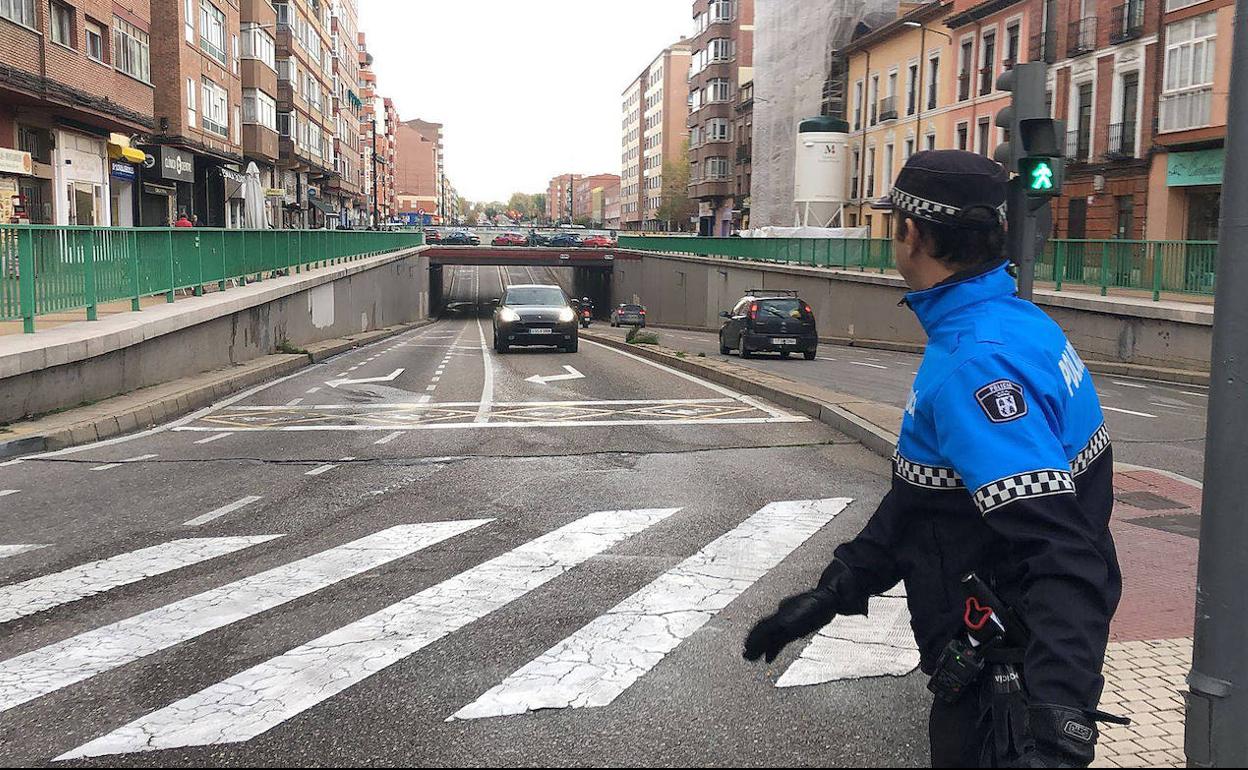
(1190, 169)
(176, 165)
(274, 192)
(122, 170)
(16, 162)
(234, 176)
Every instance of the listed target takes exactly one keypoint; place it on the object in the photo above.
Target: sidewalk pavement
(1155, 526)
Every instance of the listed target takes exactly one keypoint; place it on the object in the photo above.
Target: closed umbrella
(253, 198)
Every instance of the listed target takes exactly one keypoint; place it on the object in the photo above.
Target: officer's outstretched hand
(797, 616)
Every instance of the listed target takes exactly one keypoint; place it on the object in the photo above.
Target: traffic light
(1034, 147)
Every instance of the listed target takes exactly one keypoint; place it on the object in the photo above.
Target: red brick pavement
(1158, 568)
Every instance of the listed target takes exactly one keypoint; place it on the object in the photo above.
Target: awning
(322, 206)
(121, 152)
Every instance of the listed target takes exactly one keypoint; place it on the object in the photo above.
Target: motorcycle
(586, 318)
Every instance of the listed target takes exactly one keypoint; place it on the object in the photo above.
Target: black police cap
(950, 187)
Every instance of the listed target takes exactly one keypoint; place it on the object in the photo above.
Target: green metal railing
(52, 269)
(1182, 267)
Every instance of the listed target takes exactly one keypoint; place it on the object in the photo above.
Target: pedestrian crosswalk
(590, 668)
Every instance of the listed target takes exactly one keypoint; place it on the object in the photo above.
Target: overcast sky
(524, 90)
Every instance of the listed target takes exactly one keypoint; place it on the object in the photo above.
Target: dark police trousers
(963, 734)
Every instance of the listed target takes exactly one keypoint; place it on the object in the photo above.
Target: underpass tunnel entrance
(468, 290)
(595, 283)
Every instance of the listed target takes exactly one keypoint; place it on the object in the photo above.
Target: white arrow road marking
(856, 647)
(572, 374)
(388, 378)
(80, 657)
(43, 593)
(604, 658)
(219, 512)
(13, 550)
(7, 492)
(262, 697)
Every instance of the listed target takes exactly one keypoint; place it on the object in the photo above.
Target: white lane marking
(43, 593)
(352, 369)
(387, 439)
(313, 390)
(825, 358)
(573, 423)
(1130, 385)
(424, 399)
(775, 414)
(388, 407)
(7, 492)
(110, 466)
(13, 550)
(431, 388)
(487, 388)
(572, 374)
(435, 379)
(597, 663)
(344, 381)
(1194, 393)
(1126, 411)
(262, 697)
(219, 512)
(294, 402)
(8, 463)
(216, 437)
(873, 366)
(81, 657)
(856, 647)
(318, 470)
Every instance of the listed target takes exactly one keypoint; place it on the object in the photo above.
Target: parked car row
(565, 240)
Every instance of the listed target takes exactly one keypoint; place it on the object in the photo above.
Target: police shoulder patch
(1002, 401)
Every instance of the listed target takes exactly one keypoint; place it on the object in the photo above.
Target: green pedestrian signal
(1041, 176)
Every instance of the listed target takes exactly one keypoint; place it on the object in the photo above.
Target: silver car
(629, 315)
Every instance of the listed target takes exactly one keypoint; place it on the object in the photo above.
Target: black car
(539, 239)
(535, 314)
(565, 240)
(461, 238)
(769, 321)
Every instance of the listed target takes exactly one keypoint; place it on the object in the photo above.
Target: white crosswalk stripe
(264, 696)
(48, 669)
(13, 550)
(44, 593)
(223, 510)
(604, 658)
(856, 647)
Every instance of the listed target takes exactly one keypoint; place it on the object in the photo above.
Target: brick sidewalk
(1156, 520)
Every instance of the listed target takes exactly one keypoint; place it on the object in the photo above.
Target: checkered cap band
(930, 476)
(933, 211)
(1096, 445)
(1023, 486)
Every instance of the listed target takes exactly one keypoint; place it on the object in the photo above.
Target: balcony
(1121, 141)
(1078, 146)
(964, 86)
(1126, 21)
(1081, 37)
(986, 80)
(888, 108)
(1044, 47)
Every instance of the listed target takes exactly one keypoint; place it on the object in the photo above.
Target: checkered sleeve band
(931, 210)
(1023, 486)
(1096, 445)
(930, 476)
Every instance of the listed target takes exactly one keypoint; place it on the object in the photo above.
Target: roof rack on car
(777, 292)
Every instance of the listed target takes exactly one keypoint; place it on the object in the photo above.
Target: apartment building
(420, 179)
(345, 189)
(75, 87)
(588, 195)
(899, 102)
(259, 74)
(388, 162)
(656, 112)
(722, 61)
(559, 198)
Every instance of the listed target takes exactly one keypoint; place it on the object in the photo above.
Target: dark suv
(769, 321)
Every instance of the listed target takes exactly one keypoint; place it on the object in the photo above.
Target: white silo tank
(819, 192)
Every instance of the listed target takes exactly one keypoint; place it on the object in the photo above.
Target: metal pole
(376, 222)
(1217, 706)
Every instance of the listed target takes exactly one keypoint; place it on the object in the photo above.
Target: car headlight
(508, 316)
(566, 315)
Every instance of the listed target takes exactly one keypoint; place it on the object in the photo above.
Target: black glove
(1062, 737)
(804, 614)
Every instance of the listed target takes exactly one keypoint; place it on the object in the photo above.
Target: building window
(216, 109)
(1013, 35)
(933, 78)
(984, 131)
(888, 169)
(909, 150)
(718, 90)
(966, 62)
(1174, 5)
(716, 168)
(131, 50)
(853, 178)
(95, 42)
(858, 105)
(1187, 90)
(19, 11)
(931, 141)
(717, 130)
(721, 49)
(191, 111)
(212, 31)
(870, 172)
(962, 134)
(62, 24)
(988, 65)
(283, 124)
(259, 44)
(722, 11)
(259, 108)
(912, 89)
(188, 20)
(874, 99)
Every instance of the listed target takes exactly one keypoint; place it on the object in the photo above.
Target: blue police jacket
(1003, 468)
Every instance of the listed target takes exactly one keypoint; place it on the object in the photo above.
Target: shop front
(167, 190)
(1197, 175)
(81, 180)
(15, 166)
(124, 162)
(234, 184)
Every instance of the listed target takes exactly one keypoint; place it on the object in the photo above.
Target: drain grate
(1185, 524)
(1147, 501)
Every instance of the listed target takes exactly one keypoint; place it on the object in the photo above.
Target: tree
(675, 205)
(539, 206)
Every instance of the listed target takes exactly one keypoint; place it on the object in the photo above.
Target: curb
(196, 392)
(830, 410)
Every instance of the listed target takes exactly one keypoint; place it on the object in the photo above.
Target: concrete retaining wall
(863, 308)
(66, 366)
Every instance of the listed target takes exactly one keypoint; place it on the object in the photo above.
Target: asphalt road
(423, 553)
(1153, 424)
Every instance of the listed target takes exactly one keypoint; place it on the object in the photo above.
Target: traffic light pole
(1217, 706)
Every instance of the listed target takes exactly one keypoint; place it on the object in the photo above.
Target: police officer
(1003, 469)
